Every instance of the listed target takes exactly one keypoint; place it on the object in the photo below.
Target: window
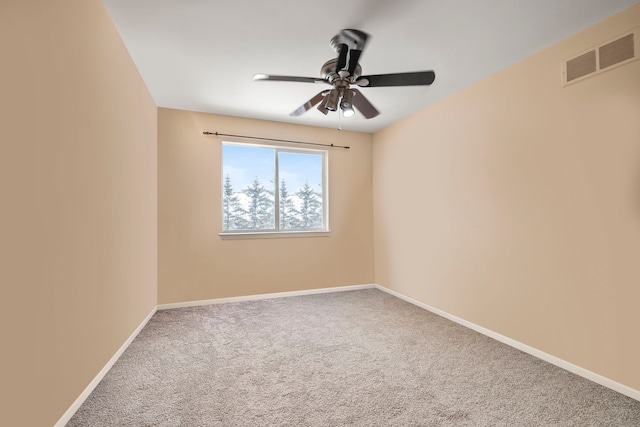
(269, 189)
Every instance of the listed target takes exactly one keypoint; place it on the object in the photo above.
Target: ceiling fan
(344, 72)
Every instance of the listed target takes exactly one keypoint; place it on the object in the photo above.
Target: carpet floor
(358, 358)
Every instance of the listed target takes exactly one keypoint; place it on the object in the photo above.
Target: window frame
(323, 231)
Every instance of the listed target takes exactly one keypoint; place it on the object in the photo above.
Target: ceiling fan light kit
(345, 71)
(346, 103)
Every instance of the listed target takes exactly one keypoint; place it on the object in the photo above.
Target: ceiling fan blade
(363, 105)
(275, 78)
(354, 39)
(309, 104)
(419, 78)
(343, 50)
(354, 57)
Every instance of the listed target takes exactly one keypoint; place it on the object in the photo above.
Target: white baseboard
(263, 296)
(585, 373)
(92, 385)
(592, 376)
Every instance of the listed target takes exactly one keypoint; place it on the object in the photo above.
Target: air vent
(616, 52)
(608, 55)
(581, 66)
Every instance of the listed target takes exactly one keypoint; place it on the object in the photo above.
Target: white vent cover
(613, 53)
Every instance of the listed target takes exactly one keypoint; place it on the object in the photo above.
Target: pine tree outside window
(268, 189)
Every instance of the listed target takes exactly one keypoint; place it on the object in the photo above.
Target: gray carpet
(360, 358)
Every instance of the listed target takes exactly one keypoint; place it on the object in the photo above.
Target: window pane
(301, 192)
(248, 187)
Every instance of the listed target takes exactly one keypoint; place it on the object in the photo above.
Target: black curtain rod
(276, 140)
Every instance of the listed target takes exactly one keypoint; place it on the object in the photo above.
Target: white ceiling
(201, 55)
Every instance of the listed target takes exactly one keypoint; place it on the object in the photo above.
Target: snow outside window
(268, 189)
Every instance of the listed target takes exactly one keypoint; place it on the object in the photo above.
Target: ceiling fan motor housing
(328, 72)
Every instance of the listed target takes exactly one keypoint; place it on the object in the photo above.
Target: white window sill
(273, 234)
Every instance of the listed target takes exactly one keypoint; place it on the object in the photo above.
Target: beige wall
(195, 264)
(78, 248)
(515, 204)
